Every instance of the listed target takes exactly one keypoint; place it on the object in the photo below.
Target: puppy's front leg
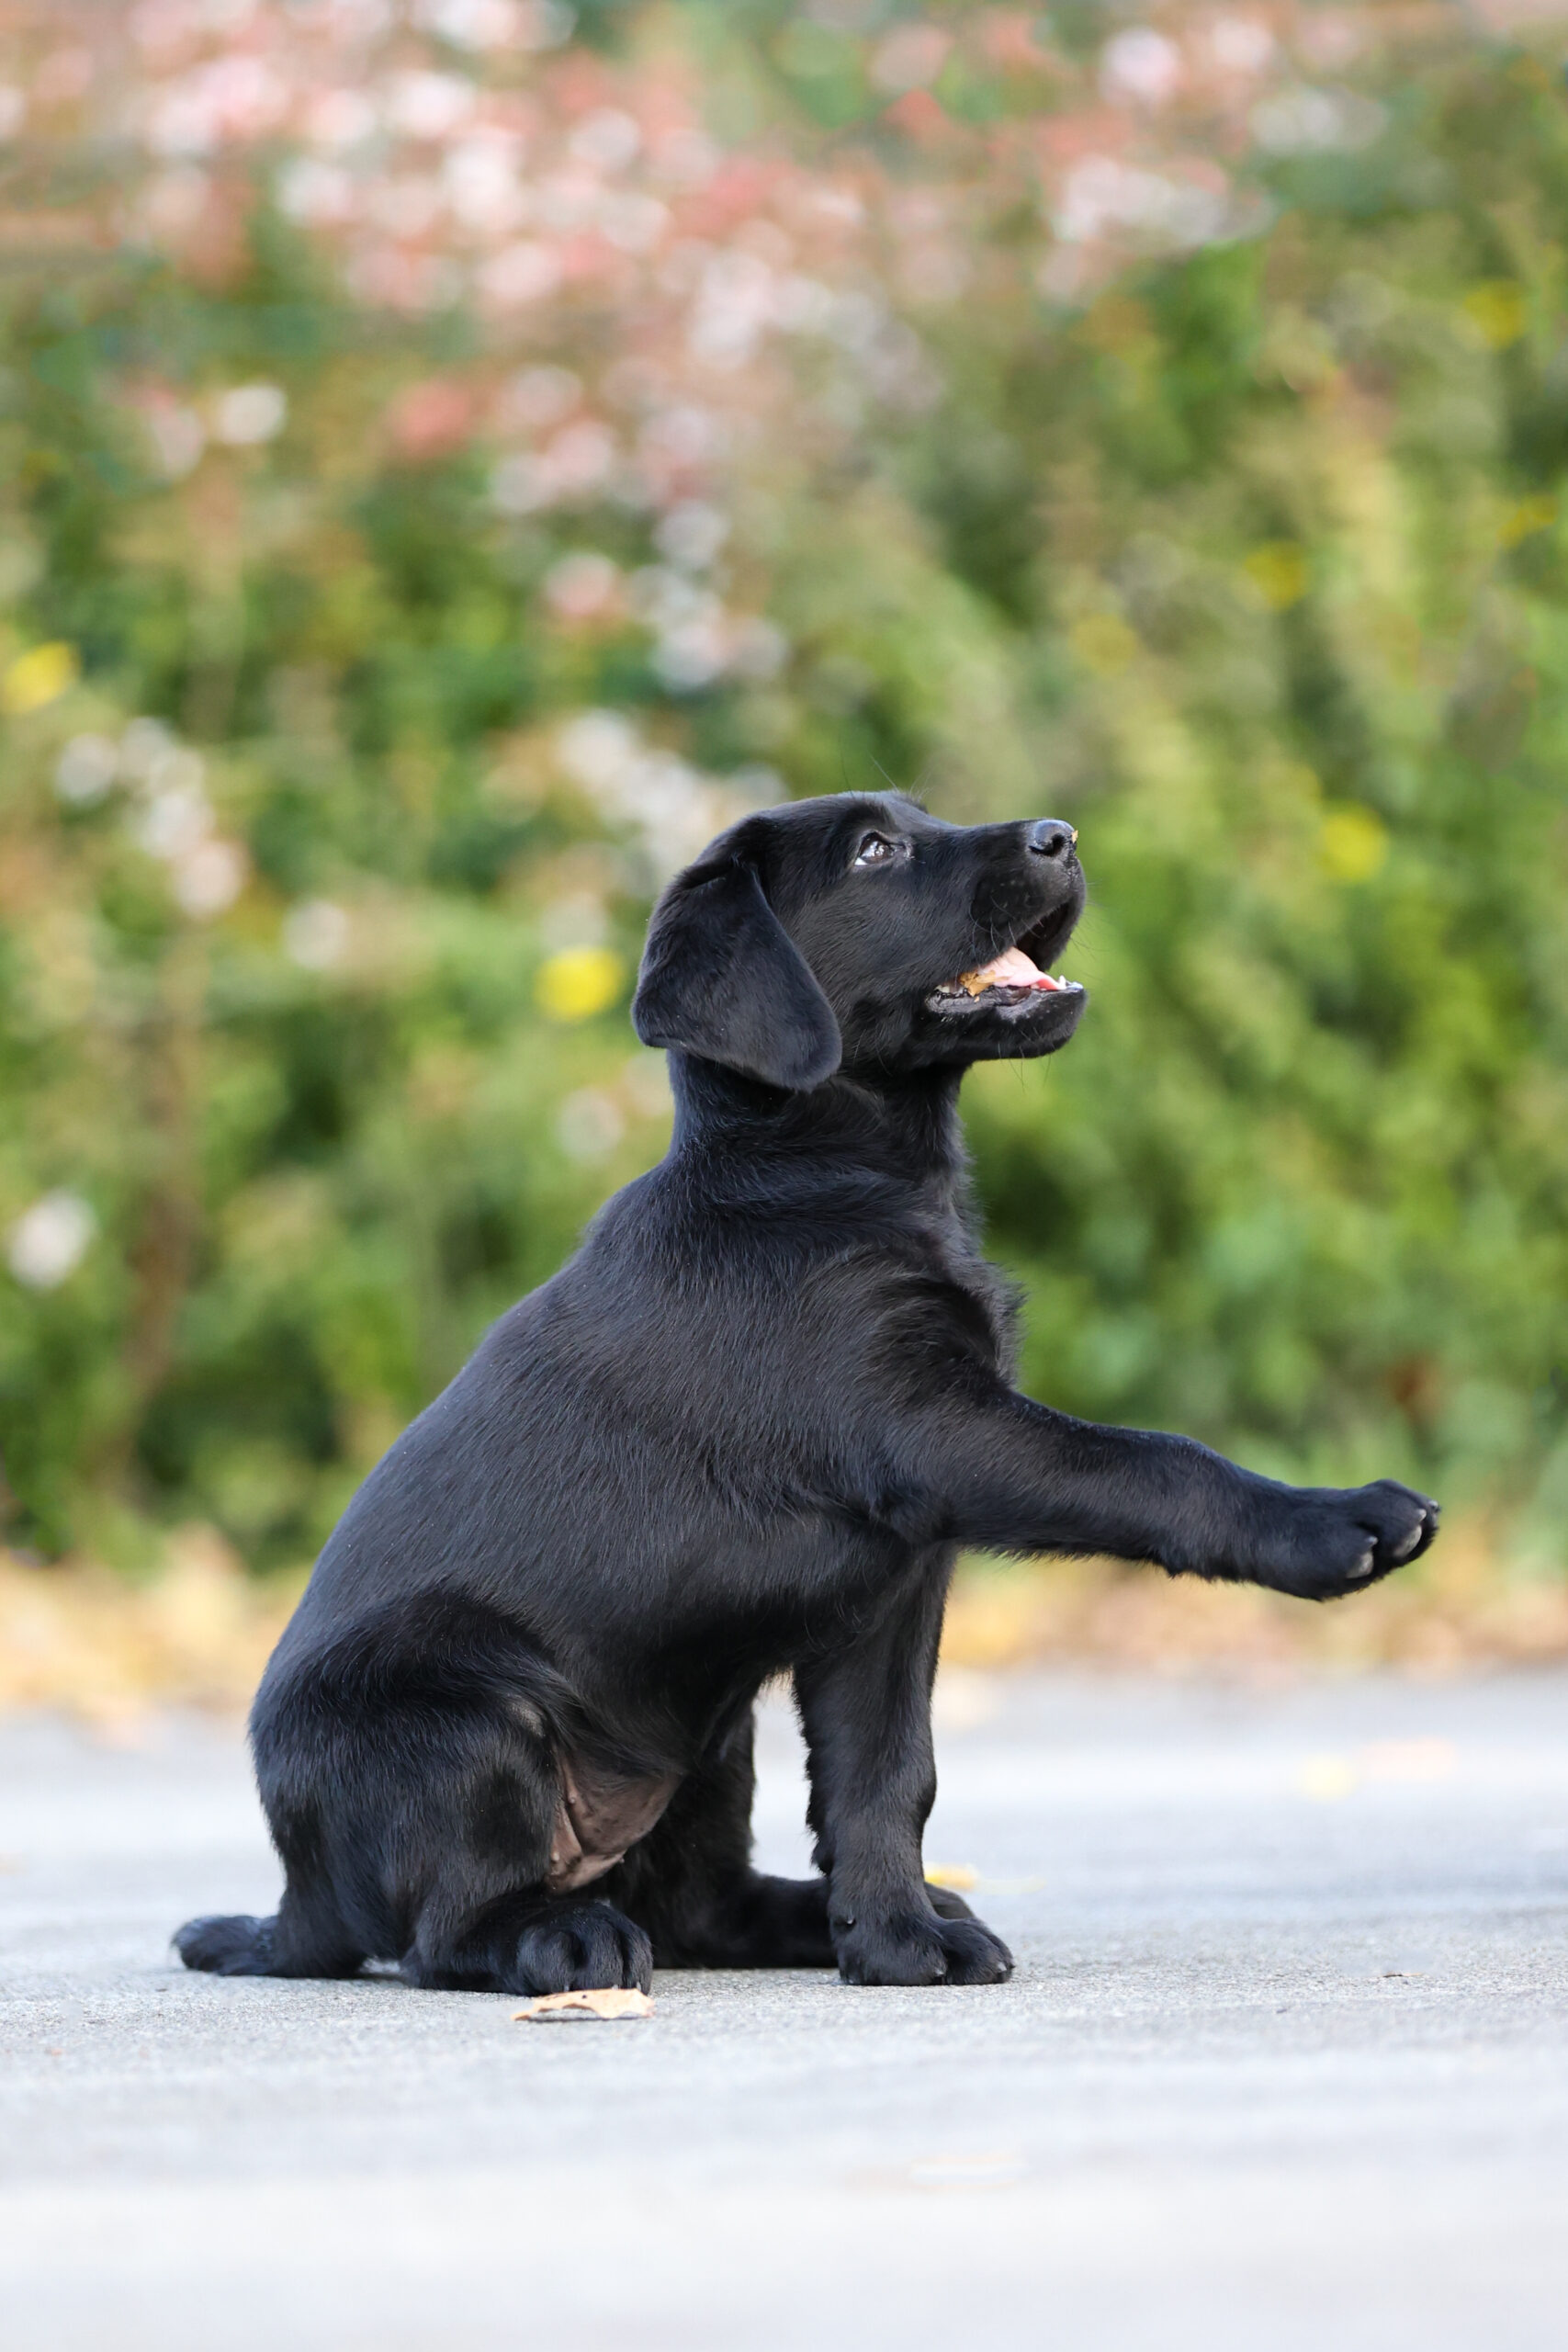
(993, 1468)
(865, 1709)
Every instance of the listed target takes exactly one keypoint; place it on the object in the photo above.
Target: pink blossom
(538, 398)
(608, 139)
(235, 99)
(1141, 65)
(318, 194)
(581, 586)
(910, 57)
(481, 178)
(524, 272)
(339, 117)
(428, 419)
(429, 106)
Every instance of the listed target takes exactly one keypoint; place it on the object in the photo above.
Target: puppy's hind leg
(291, 1943)
(308, 1935)
(691, 1881)
(239, 1946)
(511, 1900)
(530, 1944)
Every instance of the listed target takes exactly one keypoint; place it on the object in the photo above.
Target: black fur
(745, 1431)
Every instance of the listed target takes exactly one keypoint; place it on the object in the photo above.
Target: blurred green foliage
(1250, 560)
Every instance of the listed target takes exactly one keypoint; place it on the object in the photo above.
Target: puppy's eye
(875, 850)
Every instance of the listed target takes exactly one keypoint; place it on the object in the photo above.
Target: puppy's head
(859, 932)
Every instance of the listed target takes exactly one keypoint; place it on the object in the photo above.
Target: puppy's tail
(237, 1947)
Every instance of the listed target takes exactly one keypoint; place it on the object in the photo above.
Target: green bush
(319, 930)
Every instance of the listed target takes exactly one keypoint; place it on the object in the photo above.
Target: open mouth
(1013, 979)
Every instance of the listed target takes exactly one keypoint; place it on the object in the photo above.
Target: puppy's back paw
(586, 1948)
(239, 1946)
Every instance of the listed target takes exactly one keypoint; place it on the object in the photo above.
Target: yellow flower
(1530, 515)
(579, 982)
(1495, 309)
(1103, 643)
(1352, 845)
(1278, 569)
(39, 676)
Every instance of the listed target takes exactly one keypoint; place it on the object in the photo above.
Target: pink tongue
(1013, 970)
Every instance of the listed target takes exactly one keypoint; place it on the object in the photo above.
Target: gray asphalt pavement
(1284, 2064)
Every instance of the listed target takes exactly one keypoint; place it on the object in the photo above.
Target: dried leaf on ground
(611, 2001)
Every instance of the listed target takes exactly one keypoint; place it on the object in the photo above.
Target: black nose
(1048, 837)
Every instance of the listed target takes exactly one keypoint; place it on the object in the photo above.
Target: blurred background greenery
(454, 456)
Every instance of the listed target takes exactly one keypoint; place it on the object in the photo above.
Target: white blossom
(429, 106)
(524, 272)
(675, 807)
(1303, 121)
(250, 413)
(582, 584)
(85, 769)
(691, 534)
(590, 1124)
(315, 934)
(50, 1240)
(210, 876)
(1142, 65)
(608, 138)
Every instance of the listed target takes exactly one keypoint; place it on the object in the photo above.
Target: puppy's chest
(954, 1259)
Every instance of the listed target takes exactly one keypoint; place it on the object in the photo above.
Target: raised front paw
(583, 1948)
(911, 1948)
(1335, 1540)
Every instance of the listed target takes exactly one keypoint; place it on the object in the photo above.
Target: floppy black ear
(722, 979)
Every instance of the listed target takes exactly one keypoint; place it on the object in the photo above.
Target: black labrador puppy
(506, 1740)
